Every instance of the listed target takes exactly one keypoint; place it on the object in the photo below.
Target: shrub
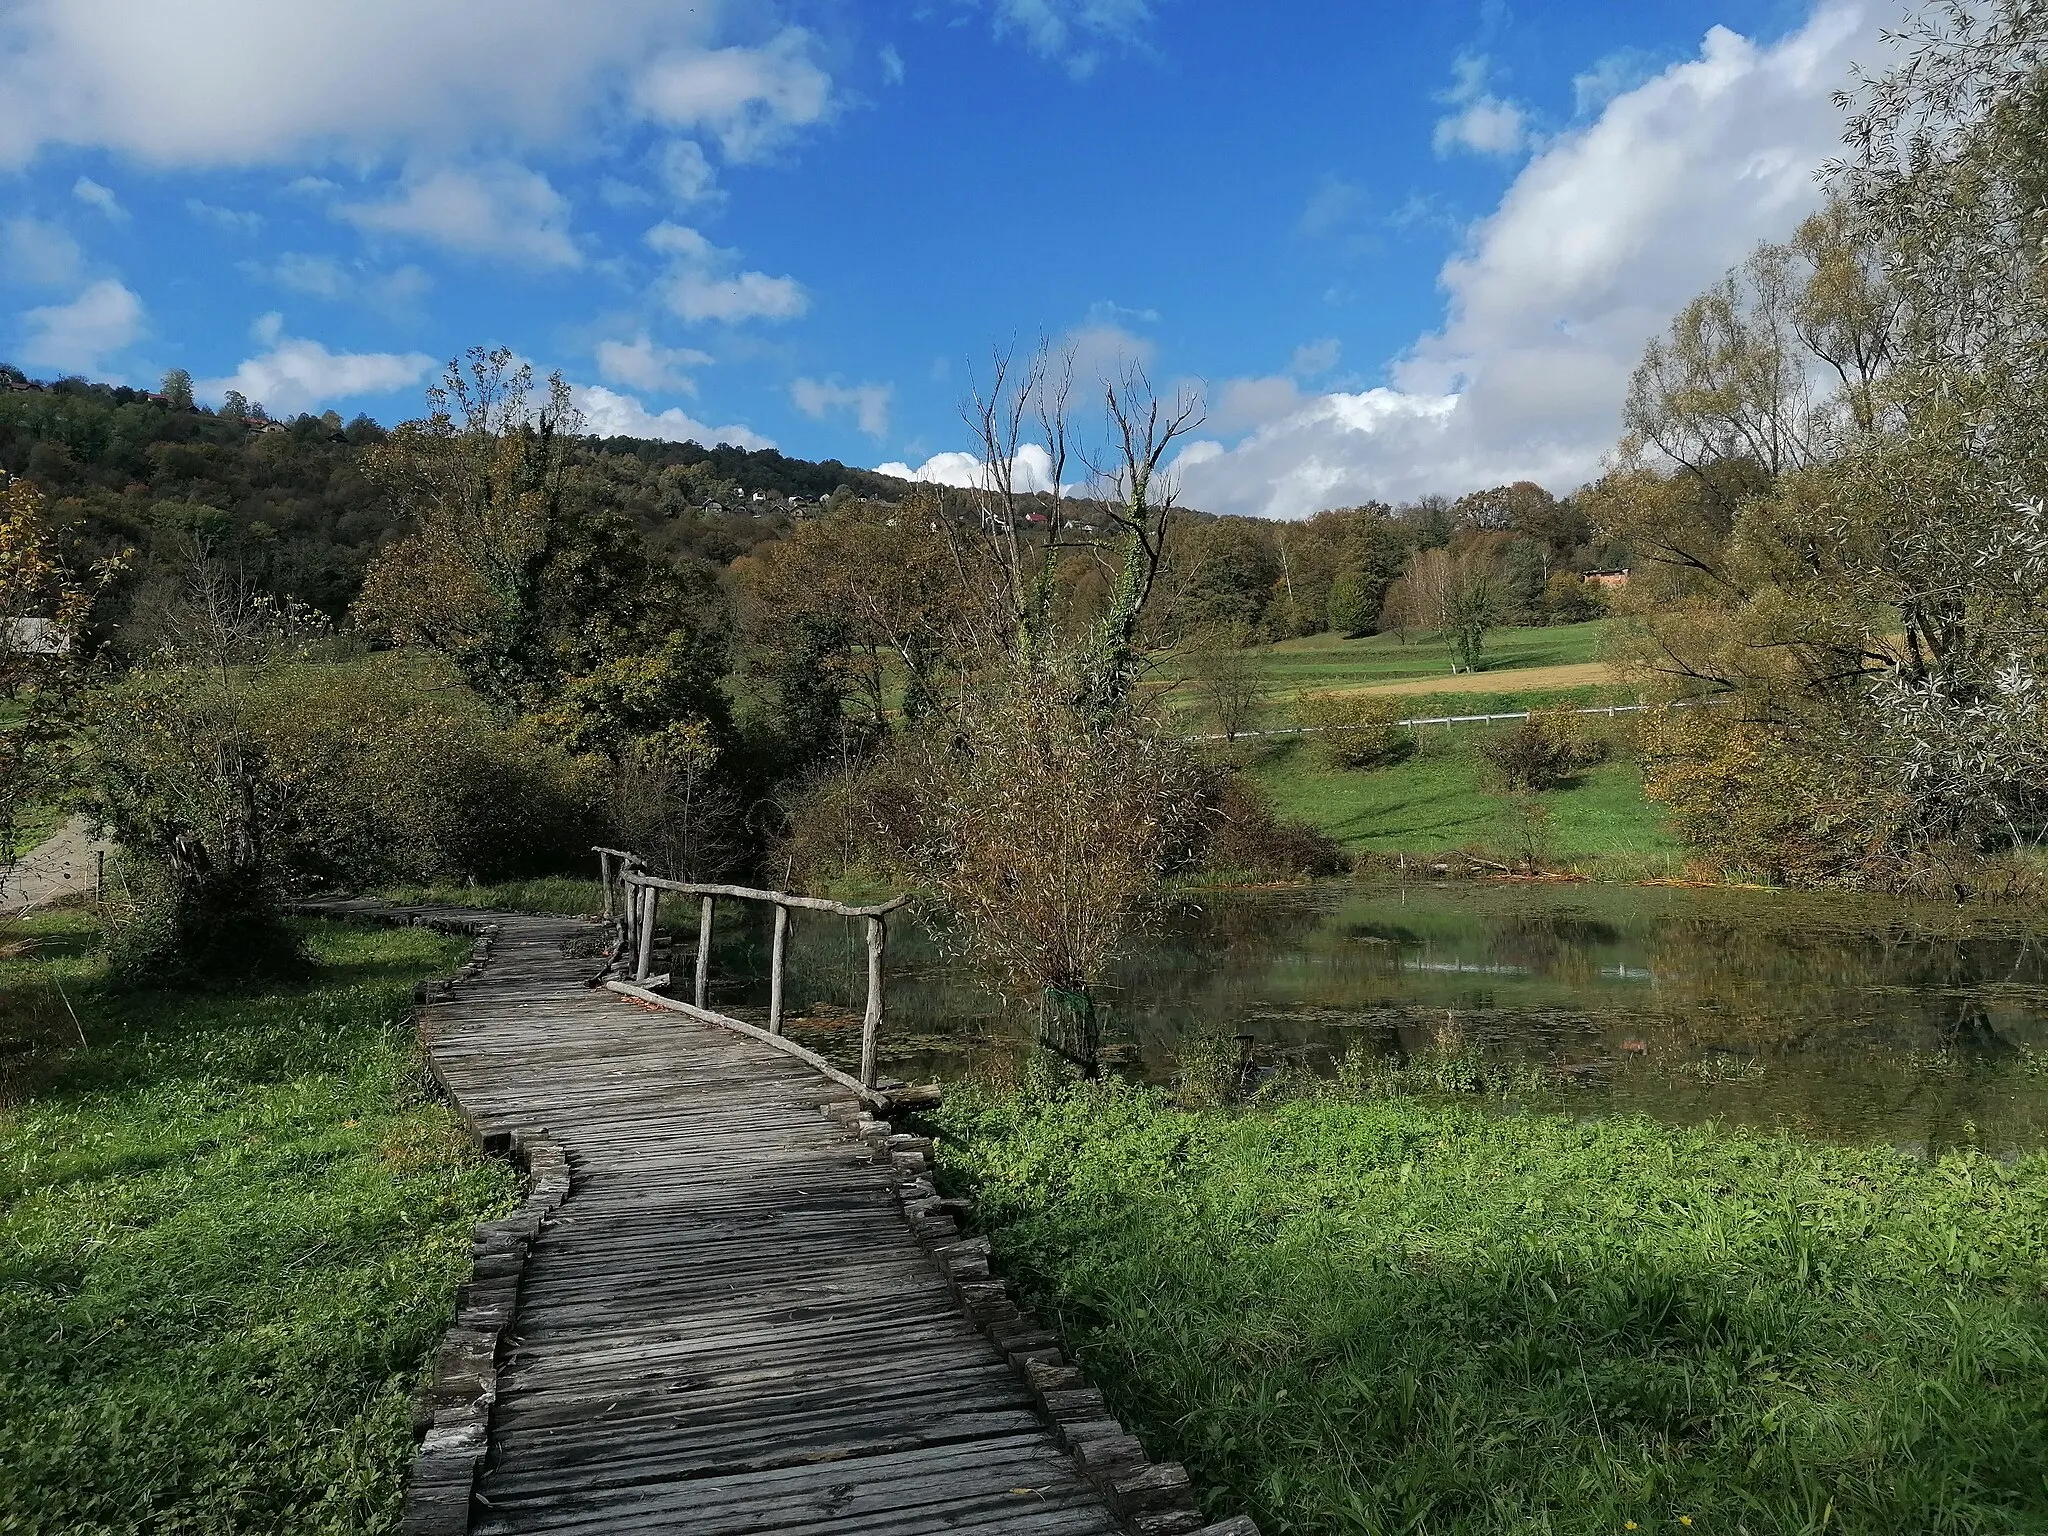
(1352, 605)
(1543, 751)
(1353, 731)
(1247, 838)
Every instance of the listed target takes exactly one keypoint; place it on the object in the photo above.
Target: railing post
(604, 878)
(704, 950)
(650, 906)
(871, 1026)
(775, 969)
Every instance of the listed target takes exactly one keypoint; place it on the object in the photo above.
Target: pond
(1839, 1017)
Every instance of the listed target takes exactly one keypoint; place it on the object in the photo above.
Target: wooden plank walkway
(728, 1326)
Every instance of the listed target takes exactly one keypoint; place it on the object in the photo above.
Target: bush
(1353, 731)
(364, 773)
(1543, 752)
(1247, 838)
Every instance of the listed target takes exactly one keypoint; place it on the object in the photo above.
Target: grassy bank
(1401, 1316)
(549, 895)
(1444, 797)
(232, 1230)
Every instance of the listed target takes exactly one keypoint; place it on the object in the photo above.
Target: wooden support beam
(650, 907)
(775, 960)
(704, 950)
(636, 876)
(871, 1025)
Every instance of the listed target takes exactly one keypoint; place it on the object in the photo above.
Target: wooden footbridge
(734, 1302)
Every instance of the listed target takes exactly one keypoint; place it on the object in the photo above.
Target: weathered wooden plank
(728, 1328)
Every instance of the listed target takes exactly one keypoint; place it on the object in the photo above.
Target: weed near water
(1402, 1315)
(230, 1231)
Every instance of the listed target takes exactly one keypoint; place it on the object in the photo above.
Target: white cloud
(217, 82)
(298, 375)
(685, 172)
(1599, 241)
(93, 195)
(80, 336)
(1482, 122)
(1031, 470)
(701, 285)
(892, 65)
(868, 403)
(1622, 70)
(498, 209)
(1074, 32)
(323, 277)
(234, 221)
(1242, 404)
(39, 254)
(640, 364)
(1315, 357)
(609, 414)
(752, 99)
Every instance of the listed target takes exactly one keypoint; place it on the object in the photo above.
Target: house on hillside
(1608, 578)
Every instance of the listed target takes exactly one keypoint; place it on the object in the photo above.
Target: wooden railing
(632, 898)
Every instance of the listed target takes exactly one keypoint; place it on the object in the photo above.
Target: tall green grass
(230, 1232)
(549, 895)
(1407, 1316)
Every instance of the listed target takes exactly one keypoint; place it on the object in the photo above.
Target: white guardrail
(1522, 714)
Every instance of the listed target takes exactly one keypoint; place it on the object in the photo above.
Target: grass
(1408, 1316)
(565, 895)
(231, 1228)
(1443, 798)
(1323, 662)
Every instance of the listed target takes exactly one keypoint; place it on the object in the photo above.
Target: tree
(234, 405)
(1230, 679)
(1351, 608)
(1859, 465)
(177, 390)
(43, 609)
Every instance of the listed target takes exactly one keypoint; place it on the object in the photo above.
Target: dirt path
(62, 865)
(1577, 674)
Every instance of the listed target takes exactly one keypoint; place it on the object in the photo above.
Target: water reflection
(1839, 1017)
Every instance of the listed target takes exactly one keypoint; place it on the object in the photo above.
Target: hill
(126, 469)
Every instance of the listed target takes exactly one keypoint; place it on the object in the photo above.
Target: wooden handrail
(639, 912)
(778, 898)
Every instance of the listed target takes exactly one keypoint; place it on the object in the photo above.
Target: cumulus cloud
(93, 195)
(607, 413)
(1031, 470)
(867, 403)
(640, 364)
(702, 285)
(685, 172)
(80, 336)
(1601, 238)
(498, 209)
(214, 82)
(1479, 121)
(39, 254)
(298, 375)
(751, 99)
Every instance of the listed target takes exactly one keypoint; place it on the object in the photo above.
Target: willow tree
(1047, 800)
(1840, 465)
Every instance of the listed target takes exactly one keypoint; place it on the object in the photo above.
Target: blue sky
(1400, 247)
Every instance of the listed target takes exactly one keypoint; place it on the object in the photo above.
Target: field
(231, 1228)
(1362, 1316)
(1444, 797)
(1555, 658)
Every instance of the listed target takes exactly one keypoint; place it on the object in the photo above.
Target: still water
(1843, 1018)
